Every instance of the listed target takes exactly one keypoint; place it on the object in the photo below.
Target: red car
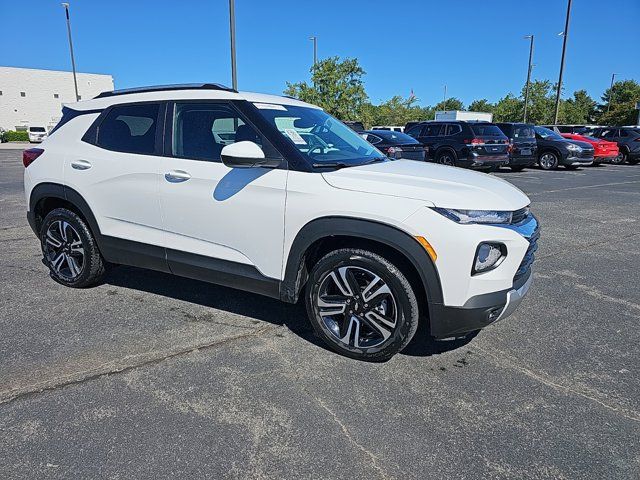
(603, 151)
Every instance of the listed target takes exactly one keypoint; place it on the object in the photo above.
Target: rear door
(429, 137)
(216, 217)
(489, 142)
(116, 170)
(523, 140)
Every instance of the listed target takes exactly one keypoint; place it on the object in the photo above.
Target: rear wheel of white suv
(70, 250)
(361, 304)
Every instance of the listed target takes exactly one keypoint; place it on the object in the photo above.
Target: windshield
(322, 139)
(546, 133)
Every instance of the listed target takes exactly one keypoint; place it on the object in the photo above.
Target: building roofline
(57, 71)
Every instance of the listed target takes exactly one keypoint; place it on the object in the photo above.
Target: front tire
(70, 250)
(548, 161)
(361, 305)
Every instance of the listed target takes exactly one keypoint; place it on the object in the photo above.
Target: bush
(13, 136)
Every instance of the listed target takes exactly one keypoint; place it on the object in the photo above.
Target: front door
(215, 217)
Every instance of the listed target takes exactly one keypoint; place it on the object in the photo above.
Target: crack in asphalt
(503, 360)
(115, 367)
(347, 434)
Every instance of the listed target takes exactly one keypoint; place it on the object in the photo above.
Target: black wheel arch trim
(383, 233)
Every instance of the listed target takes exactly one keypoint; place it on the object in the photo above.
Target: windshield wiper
(344, 164)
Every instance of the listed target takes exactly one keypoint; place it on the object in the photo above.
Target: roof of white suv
(182, 92)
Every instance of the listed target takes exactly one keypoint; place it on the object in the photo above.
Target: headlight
(574, 148)
(488, 257)
(476, 216)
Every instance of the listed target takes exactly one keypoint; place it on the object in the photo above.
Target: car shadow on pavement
(254, 306)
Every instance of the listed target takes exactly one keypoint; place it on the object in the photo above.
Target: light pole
(526, 90)
(73, 61)
(444, 98)
(613, 77)
(232, 32)
(314, 39)
(564, 49)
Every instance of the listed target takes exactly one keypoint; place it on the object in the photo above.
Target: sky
(475, 47)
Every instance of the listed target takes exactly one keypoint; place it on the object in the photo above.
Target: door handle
(176, 176)
(80, 165)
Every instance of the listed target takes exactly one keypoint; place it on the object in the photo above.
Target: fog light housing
(488, 256)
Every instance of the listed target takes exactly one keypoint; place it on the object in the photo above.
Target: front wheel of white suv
(70, 250)
(361, 304)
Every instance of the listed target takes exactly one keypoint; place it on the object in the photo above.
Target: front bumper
(479, 311)
(576, 161)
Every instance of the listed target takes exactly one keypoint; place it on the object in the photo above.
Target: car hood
(581, 144)
(436, 185)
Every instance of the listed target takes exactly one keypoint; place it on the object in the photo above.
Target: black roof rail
(164, 88)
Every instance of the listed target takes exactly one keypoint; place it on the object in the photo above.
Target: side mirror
(246, 155)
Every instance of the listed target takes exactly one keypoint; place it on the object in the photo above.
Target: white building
(30, 97)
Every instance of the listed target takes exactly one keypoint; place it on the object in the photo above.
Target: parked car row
(488, 146)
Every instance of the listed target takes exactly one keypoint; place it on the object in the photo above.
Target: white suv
(274, 196)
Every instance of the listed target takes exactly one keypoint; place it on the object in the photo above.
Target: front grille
(520, 215)
(529, 256)
(586, 154)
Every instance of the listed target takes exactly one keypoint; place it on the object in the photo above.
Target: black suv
(463, 144)
(628, 140)
(523, 148)
(554, 150)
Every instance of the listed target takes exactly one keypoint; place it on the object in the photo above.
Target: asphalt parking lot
(151, 376)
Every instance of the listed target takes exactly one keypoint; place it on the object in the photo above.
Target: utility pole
(444, 98)
(564, 49)
(526, 90)
(314, 39)
(613, 76)
(232, 32)
(73, 61)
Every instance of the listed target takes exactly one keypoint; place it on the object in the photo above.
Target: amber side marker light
(427, 246)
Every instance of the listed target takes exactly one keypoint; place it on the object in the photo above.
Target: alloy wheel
(63, 249)
(446, 159)
(548, 161)
(357, 307)
(618, 159)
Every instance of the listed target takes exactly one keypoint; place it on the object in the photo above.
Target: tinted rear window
(37, 129)
(483, 130)
(130, 128)
(523, 131)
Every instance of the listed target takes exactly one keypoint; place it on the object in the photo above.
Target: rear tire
(70, 250)
(361, 305)
(446, 157)
(620, 159)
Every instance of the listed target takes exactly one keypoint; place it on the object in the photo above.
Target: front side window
(415, 131)
(323, 140)
(202, 130)
(130, 129)
(523, 131)
(453, 129)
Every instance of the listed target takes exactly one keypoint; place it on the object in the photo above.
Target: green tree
(508, 109)
(541, 102)
(579, 109)
(623, 97)
(452, 103)
(337, 87)
(482, 105)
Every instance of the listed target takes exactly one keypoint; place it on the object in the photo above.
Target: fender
(56, 190)
(370, 230)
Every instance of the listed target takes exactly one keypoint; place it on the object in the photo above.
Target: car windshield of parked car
(548, 134)
(486, 130)
(396, 137)
(321, 138)
(523, 131)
